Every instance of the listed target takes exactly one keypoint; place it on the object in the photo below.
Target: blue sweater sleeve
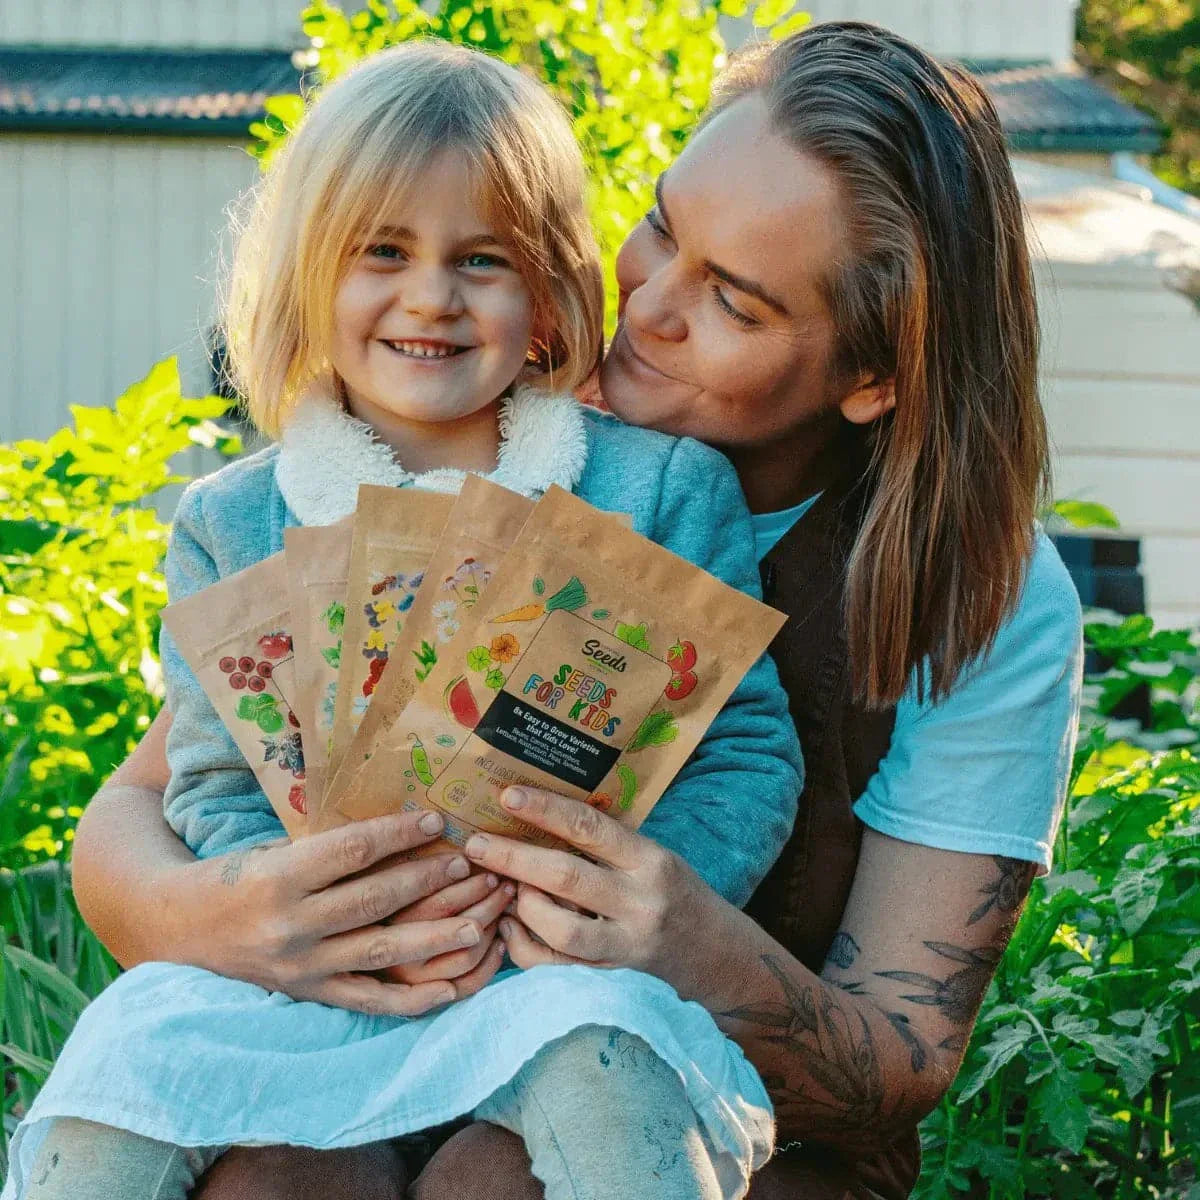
(732, 807)
(213, 801)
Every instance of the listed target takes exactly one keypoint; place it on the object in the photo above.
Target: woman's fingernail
(476, 845)
(514, 798)
(505, 929)
(510, 889)
(430, 823)
(493, 881)
(458, 868)
(468, 935)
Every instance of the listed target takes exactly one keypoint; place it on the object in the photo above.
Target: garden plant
(1083, 1077)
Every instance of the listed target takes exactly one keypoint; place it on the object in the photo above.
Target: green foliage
(633, 74)
(1083, 1074)
(80, 590)
(1147, 49)
(48, 972)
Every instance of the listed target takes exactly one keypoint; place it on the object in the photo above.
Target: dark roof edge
(159, 126)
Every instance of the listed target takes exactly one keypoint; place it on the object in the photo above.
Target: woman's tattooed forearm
(231, 869)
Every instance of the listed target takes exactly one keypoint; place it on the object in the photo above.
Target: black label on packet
(533, 737)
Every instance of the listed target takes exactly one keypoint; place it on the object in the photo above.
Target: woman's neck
(785, 472)
(470, 443)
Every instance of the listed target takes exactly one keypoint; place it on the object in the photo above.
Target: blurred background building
(122, 127)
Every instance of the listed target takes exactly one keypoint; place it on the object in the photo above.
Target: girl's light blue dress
(189, 1057)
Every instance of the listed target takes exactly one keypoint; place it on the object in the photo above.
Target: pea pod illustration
(420, 761)
(629, 783)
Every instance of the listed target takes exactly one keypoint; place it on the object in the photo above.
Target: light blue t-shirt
(986, 770)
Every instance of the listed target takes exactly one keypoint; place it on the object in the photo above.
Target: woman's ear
(869, 402)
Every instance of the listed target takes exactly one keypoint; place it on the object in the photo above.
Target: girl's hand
(303, 917)
(648, 904)
(471, 968)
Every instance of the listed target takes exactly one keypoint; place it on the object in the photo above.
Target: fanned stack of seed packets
(430, 651)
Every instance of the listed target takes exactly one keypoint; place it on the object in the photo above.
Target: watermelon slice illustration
(460, 704)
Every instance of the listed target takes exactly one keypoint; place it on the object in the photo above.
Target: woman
(834, 289)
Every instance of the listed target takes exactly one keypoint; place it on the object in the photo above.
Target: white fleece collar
(325, 453)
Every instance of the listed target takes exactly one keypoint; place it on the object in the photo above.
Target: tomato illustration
(601, 800)
(681, 686)
(682, 656)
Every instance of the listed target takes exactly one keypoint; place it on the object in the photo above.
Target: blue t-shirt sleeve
(986, 770)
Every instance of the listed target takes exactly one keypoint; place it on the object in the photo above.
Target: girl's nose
(653, 307)
(431, 292)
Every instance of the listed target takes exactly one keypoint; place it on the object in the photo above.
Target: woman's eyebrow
(740, 282)
(402, 233)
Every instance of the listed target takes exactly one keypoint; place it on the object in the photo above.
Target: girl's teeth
(419, 351)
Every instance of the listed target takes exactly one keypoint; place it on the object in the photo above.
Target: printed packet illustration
(236, 635)
(318, 564)
(479, 532)
(395, 532)
(592, 667)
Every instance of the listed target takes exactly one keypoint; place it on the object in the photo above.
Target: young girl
(414, 298)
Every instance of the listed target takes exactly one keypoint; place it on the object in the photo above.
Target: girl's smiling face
(432, 321)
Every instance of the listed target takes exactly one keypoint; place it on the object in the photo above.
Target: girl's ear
(869, 402)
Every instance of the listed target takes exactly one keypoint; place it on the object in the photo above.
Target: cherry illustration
(237, 681)
(256, 683)
(228, 664)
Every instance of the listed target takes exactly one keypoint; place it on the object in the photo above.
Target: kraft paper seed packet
(318, 564)
(395, 532)
(236, 635)
(592, 666)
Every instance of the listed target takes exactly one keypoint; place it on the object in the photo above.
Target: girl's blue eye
(385, 251)
(482, 261)
(740, 317)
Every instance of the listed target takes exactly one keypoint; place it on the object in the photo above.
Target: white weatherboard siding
(979, 30)
(1121, 385)
(109, 263)
(177, 24)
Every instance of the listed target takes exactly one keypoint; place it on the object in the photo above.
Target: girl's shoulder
(237, 512)
(636, 470)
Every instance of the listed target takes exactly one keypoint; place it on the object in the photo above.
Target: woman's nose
(652, 308)
(431, 292)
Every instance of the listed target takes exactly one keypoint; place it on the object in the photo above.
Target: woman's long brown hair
(936, 293)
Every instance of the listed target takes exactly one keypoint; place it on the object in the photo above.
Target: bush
(80, 590)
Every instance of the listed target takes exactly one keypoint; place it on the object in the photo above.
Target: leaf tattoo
(1008, 890)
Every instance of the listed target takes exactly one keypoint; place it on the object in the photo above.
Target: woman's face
(724, 333)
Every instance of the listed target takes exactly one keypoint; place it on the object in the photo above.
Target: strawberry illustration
(296, 798)
(682, 656)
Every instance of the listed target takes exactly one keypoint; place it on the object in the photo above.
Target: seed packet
(592, 667)
(318, 564)
(395, 532)
(482, 526)
(237, 637)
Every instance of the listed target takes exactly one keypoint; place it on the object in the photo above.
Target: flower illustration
(376, 640)
(444, 610)
(504, 648)
(327, 705)
(361, 704)
(384, 610)
(447, 629)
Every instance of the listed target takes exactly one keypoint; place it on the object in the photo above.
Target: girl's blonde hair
(363, 145)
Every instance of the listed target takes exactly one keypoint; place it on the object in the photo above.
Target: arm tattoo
(231, 869)
(843, 951)
(837, 1084)
(1008, 890)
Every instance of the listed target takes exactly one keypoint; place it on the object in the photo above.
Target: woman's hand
(642, 905)
(304, 918)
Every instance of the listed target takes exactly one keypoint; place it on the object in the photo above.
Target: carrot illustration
(568, 597)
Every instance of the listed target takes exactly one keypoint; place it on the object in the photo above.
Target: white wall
(249, 24)
(1018, 30)
(108, 263)
(1122, 395)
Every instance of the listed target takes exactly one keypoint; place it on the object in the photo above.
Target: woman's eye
(656, 225)
(736, 314)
